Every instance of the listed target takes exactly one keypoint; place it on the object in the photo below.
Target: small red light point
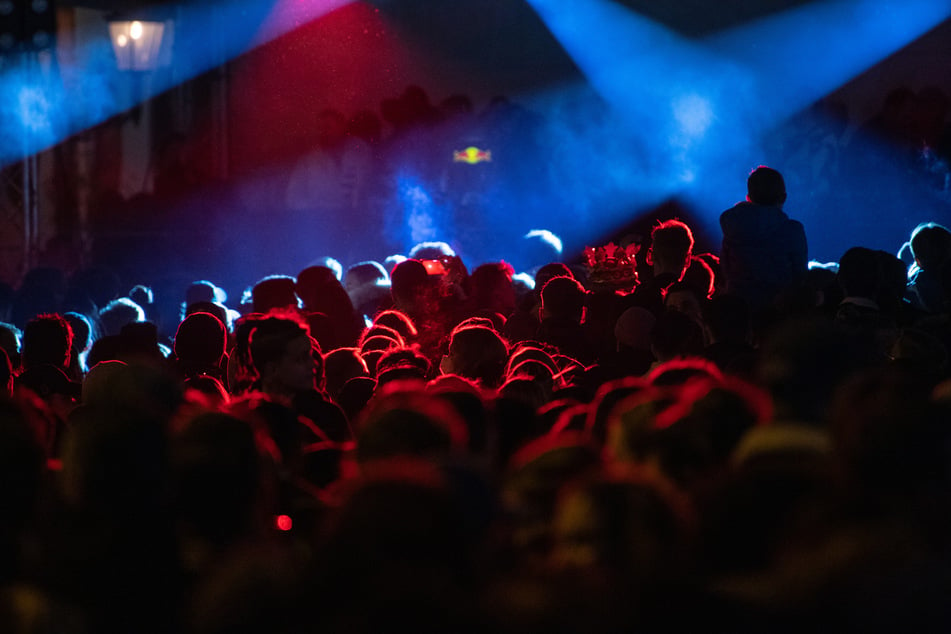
(284, 522)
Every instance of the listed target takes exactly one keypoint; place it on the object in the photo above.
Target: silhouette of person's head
(204, 291)
(671, 247)
(930, 245)
(282, 354)
(404, 422)
(368, 285)
(10, 338)
(398, 321)
(563, 298)
(476, 353)
(118, 313)
(431, 250)
(409, 281)
(47, 339)
(765, 186)
(274, 292)
(538, 248)
(201, 340)
(491, 288)
(859, 273)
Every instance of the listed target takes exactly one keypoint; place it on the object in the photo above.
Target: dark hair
(270, 337)
(274, 292)
(930, 245)
(398, 321)
(564, 297)
(478, 353)
(201, 338)
(765, 186)
(672, 240)
(47, 338)
(406, 423)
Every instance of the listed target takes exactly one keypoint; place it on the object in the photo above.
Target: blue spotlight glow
(29, 113)
(33, 108)
(417, 220)
(418, 207)
(693, 114)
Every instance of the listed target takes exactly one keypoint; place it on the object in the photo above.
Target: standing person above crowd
(764, 251)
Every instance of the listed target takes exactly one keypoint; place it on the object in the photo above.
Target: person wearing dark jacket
(764, 251)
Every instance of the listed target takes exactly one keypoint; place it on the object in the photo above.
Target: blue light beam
(85, 88)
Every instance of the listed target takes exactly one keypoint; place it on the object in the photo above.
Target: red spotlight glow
(348, 59)
(284, 522)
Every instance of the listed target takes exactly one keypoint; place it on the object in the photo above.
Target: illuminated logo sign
(471, 155)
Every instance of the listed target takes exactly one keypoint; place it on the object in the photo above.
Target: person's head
(368, 285)
(631, 428)
(534, 476)
(216, 471)
(538, 248)
(631, 525)
(491, 288)
(859, 273)
(930, 245)
(700, 275)
(47, 339)
(549, 271)
(404, 358)
(675, 335)
(365, 272)
(408, 282)
(204, 291)
(142, 295)
(201, 339)
(525, 352)
(563, 298)
(340, 366)
(274, 292)
(373, 347)
(671, 247)
(398, 321)
(329, 262)
(313, 282)
(765, 186)
(684, 298)
(432, 250)
(220, 311)
(283, 356)
(118, 313)
(633, 327)
(82, 330)
(10, 341)
(476, 353)
(6, 374)
(402, 422)
(379, 330)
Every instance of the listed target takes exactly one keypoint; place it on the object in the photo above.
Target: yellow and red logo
(471, 155)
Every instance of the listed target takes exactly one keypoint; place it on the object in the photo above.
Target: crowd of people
(651, 439)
